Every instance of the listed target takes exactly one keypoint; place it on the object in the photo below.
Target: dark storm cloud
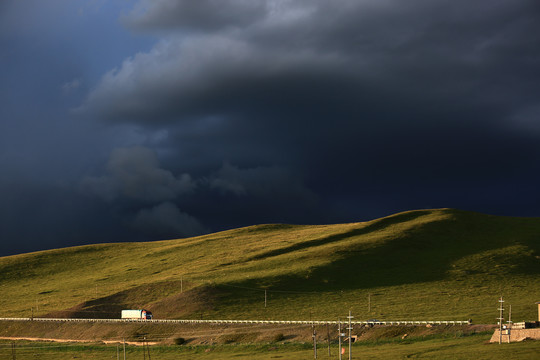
(260, 182)
(144, 193)
(36, 216)
(167, 221)
(135, 173)
(195, 15)
(149, 198)
(378, 105)
(434, 50)
(238, 112)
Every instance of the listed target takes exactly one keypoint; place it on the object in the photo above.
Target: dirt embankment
(136, 343)
(137, 333)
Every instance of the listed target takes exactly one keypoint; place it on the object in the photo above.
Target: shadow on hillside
(424, 253)
(164, 297)
(375, 226)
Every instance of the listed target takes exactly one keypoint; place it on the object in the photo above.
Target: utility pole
(509, 330)
(350, 334)
(501, 309)
(339, 338)
(13, 355)
(314, 335)
(328, 338)
(143, 348)
(124, 348)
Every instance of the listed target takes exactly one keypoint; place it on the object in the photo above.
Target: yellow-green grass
(469, 347)
(441, 264)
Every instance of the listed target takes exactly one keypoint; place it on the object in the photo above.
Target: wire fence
(43, 351)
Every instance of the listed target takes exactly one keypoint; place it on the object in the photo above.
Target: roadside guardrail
(280, 322)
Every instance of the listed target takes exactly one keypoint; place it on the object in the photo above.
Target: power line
(269, 290)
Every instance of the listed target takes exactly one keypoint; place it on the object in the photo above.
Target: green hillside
(420, 265)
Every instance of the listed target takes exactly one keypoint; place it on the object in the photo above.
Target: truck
(137, 314)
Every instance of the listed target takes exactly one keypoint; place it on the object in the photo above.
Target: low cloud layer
(150, 197)
(167, 221)
(135, 173)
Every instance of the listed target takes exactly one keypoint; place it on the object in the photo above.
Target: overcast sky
(152, 119)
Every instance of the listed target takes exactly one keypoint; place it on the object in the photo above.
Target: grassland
(471, 347)
(418, 265)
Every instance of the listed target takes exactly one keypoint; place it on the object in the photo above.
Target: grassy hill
(418, 265)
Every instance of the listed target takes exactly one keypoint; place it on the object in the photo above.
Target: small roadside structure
(519, 331)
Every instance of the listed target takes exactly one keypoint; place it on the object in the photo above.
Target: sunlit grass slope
(417, 265)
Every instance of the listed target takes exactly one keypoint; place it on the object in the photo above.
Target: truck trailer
(137, 314)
